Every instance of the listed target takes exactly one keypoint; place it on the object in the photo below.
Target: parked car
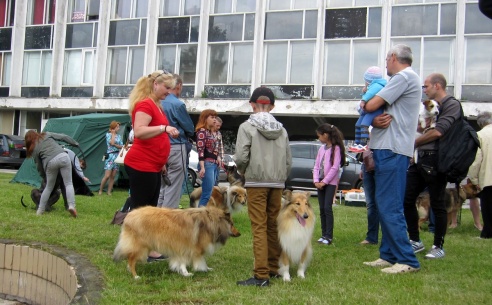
(303, 157)
(12, 150)
(193, 169)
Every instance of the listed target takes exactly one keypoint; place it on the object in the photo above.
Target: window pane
(242, 63)
(136, 64)
(124, 32)
(448, 19)
(117, 69)
(367, 2)
(31, 67)
(414, 44)
(478, 63)
(187, 63)
(217, 63)
(5, 39)
(414, 20)
(173, 30)
(167, 58)
(38, 37)
(226, 28)
(7, 67)
(311, 24)
(142, 8)
(301, 71)
(475, 21)
(143, 31)
(279, 5)
(437, 58)
(276, 61)
(121, 9)
(366, 54)
(192, 7)
(170, 8)
(45, 69)
(337, 63)
(195, 28)
(285, 25)
(79, 35)
(346, 23)
(93, 11)
(71, 68)
(76, 11)
(374, 28)
(222, 6)
(249, 27)
(88, 67)
(243, 6)
(304, 4)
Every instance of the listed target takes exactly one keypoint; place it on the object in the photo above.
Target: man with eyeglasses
(392, 140)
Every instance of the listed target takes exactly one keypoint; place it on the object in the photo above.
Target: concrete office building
(68, 57)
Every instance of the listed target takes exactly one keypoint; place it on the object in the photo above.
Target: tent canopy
(90, 131)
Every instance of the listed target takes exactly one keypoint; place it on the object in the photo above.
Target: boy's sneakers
(379, 263)
(254, 282)
(320, 240)
(399, 268)
(357, 148)
(435, 252)
(417, 246)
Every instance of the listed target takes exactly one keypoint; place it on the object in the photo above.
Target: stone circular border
(89, 279)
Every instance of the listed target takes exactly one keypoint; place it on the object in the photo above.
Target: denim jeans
(372, 209)
(390, 179)
(208, 182)
(325, 200)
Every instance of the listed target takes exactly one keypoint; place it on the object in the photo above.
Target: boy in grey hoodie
(263, 157)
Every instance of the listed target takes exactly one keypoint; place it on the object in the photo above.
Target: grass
(336, 274)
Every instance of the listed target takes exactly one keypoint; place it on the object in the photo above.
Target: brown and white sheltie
(185, 236)
(295, 230)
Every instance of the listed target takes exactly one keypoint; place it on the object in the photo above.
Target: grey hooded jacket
(263, 151)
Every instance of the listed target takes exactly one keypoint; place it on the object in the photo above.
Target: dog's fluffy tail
(195, 197)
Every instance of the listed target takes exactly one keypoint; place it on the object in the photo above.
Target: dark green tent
(89, 130)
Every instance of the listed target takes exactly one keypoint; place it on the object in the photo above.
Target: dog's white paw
(286, 277)
(137, 277)
(187, 274)
(301, 274)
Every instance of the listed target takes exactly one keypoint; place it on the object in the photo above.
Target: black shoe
(254, 282)
(151, 259)
(275, 276)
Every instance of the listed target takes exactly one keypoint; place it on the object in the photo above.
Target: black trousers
(421, 176)
(486, 206)
(144, 187)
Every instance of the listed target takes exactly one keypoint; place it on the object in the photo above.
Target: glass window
(302, 61)
(38, 37)
(284, 25)
(245, 6)
(218, 59)
(187, 63)
(166, 58)
(128, 9)
(88, 65)
(226, 28)
(242, 63)
(311, 24)
(367, 53)
(414, 20)
(299, 4)
(279, 5)
(249, 27)
(448, 19)
(76, 11)
(192, 7)
(437, 54)
(72, 67)
(142, 9)
(275, 63)
(136, 64)
(222, 6)
(117, 68)
(337, 59)
(125, 65)
(346, 23)
(5, 39)
(36, 68)
(345, 3)
(414, 45)
(475, 21)
(173, 30)
(478, 63)
(124, 32)
(79, 35)
(375, 17)
(5, 68)
(170, 8)
(40, 11)
(7, 12)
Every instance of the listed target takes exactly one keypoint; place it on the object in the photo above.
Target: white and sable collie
(295, 230)
(185, 236)
(429, 109)
(229, 199)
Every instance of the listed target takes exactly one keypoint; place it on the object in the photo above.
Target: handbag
(120, 159)
(368, 161)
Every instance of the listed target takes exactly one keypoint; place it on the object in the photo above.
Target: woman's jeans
(60, 163)
(325, 200)
(208, 182)
(372, 209)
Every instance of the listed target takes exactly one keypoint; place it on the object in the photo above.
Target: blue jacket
(178, 117)
(373, 88)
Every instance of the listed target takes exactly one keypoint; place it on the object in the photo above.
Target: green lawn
(336, 274)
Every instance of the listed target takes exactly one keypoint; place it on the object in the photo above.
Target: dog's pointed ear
(287, 194)
(308, 195)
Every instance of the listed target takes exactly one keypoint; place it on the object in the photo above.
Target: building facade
(60, 58)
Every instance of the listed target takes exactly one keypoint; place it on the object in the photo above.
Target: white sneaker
(379, 263)
(399, 268)
(320, 241)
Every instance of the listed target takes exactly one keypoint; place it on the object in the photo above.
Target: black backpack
(457, 150)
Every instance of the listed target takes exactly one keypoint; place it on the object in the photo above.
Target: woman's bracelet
(163, 128)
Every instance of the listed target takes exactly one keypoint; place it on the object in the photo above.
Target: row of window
(291, 54)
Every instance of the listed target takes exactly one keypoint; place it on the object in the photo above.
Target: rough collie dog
(295, 230)
(454, 199)
(229, 199)
(185, 236)
(429, 109)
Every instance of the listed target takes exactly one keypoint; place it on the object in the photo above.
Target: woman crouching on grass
(51, 158)
(325, 176)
